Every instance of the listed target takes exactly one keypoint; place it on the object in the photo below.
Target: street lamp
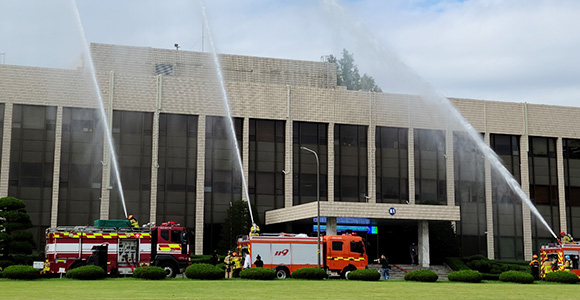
(317, 197)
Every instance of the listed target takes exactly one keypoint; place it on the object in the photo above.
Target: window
(357, 247)
(336, 246)
(164, 69)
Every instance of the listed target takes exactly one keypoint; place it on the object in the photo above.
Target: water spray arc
(102, 110)
(428, 95)
(225, 98)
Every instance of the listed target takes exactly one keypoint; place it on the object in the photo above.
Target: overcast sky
(502, 50)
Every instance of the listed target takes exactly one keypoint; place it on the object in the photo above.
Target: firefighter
(237, 265)
(566, 238)
(567, 263)
(535, 266)
(134, 222)
(228, 263)
(546, 267)
(214, 259)
(255, 230)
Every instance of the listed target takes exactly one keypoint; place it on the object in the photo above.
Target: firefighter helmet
(567, 256)
(534, 256)
(562, 233)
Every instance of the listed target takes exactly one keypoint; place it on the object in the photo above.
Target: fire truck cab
(118, 250)
(285, 253)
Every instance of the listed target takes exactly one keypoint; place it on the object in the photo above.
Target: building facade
(391, 160)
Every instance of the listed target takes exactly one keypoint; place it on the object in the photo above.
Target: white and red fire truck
(118, 250)
(556, 253)
(340, 254)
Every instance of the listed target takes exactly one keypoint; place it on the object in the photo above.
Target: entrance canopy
(364, 210)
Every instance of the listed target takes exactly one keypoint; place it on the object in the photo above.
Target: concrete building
(391, 160)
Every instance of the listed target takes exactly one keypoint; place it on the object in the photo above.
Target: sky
(500, 50)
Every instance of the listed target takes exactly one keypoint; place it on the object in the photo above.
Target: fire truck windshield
(357, 247)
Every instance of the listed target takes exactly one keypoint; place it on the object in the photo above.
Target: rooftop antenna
(176, 46)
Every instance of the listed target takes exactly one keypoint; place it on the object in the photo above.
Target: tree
(348, 74)
(238, 222)
(14, 220)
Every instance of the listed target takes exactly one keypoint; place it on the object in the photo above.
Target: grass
(130, 288)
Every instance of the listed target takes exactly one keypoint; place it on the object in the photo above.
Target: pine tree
(14, 220)
(348, 74)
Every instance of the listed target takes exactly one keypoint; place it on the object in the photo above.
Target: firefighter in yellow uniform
(237, 265)
(255, 230)
(546, 267)
(567, 263)
(134, 222)
(228, 263)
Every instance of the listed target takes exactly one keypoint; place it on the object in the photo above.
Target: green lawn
(136, 289)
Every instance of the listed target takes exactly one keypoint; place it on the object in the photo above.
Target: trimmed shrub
(204, 271)
(481, 265)
(516, 276)
(465, 276)
(364, 275)
(489, 276)
(421, 275)
(200, 259)
(151, 272)
(90, 272)
(456, 264)
(476, 257)
(561, 277)
(310, 273)
(21, 272)
(258, 274)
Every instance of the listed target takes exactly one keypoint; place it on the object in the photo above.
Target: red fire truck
(286, 253)
(118, 250)
(556, 253)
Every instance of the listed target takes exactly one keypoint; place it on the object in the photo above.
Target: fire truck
(556, 253)
(285, 253)
(117, 247)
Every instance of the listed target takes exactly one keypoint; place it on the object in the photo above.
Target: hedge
(21, 272)
(204, 271)
(90, 272)
(364, 275)
(465, 276)
(310, 273)
(489, 276)
(516, 276)
(151, 273)
(421, 275)
(562, 277)
(258, 274)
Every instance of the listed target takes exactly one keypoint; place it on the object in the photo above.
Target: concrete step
(399, 273)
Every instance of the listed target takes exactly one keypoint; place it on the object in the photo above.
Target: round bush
(364, 275)
(258, 274)
(562, 277)
(310, 273)
(516, 276)
(421, 275)
(21, 272)
(204, 271)
(90, 272)
(152, 273)
(465, 276)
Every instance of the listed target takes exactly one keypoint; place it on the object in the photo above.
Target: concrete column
(526, 215)
(155, 152)
(561, 184)
(6, 144)
(371, 148)
(331, 226)
(330, 162)
(246, 154)
(449, 165)
(288, 162)
(411, 155)
(423, 245)
(56, 168)
(200, 185)
(489, 205)
(106, 178)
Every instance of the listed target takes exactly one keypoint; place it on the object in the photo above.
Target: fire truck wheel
(344, 274)
(169, 268)
(282, 272)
